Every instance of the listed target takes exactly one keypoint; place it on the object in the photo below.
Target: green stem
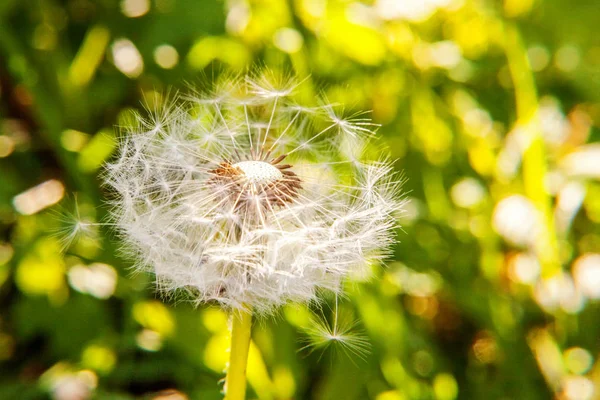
(235, 382)
(534, 158)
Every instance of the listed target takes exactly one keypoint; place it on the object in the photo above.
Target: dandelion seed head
(245, 196)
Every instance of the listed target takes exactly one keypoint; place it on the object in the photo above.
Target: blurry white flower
(243, 197)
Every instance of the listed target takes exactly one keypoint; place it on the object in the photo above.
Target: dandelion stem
(235, 382)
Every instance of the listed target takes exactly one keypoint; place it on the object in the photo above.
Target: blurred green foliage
(491, 109)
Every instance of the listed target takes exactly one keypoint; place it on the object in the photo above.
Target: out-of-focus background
(491, 109)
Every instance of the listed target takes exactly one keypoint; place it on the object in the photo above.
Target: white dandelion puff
(243, 196)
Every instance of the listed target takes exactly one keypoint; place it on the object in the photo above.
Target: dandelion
(246, 197)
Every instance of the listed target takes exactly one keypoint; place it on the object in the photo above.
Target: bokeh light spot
(149, 340)
(586, 272)
(154, 316)
(135, 8)
(577, 388)
(127, 58)
(39, 197)
(98, 280)
(539, 57)
(288, 40)
(578, 360)
(73, 140)
(7, 146)
(445, 387)
(516, 219)
(567, 58)
(166, 56)
(467, 193)
(99, 358)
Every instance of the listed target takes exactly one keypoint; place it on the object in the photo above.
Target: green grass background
(478, 101)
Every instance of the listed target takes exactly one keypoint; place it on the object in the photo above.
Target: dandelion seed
(74, 225)
(340, 333)
(243, 196)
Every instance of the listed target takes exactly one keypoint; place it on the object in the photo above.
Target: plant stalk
(235, 382)
(534, 158)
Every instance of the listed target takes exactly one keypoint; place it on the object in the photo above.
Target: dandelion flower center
(260, 181)
(259, 172)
